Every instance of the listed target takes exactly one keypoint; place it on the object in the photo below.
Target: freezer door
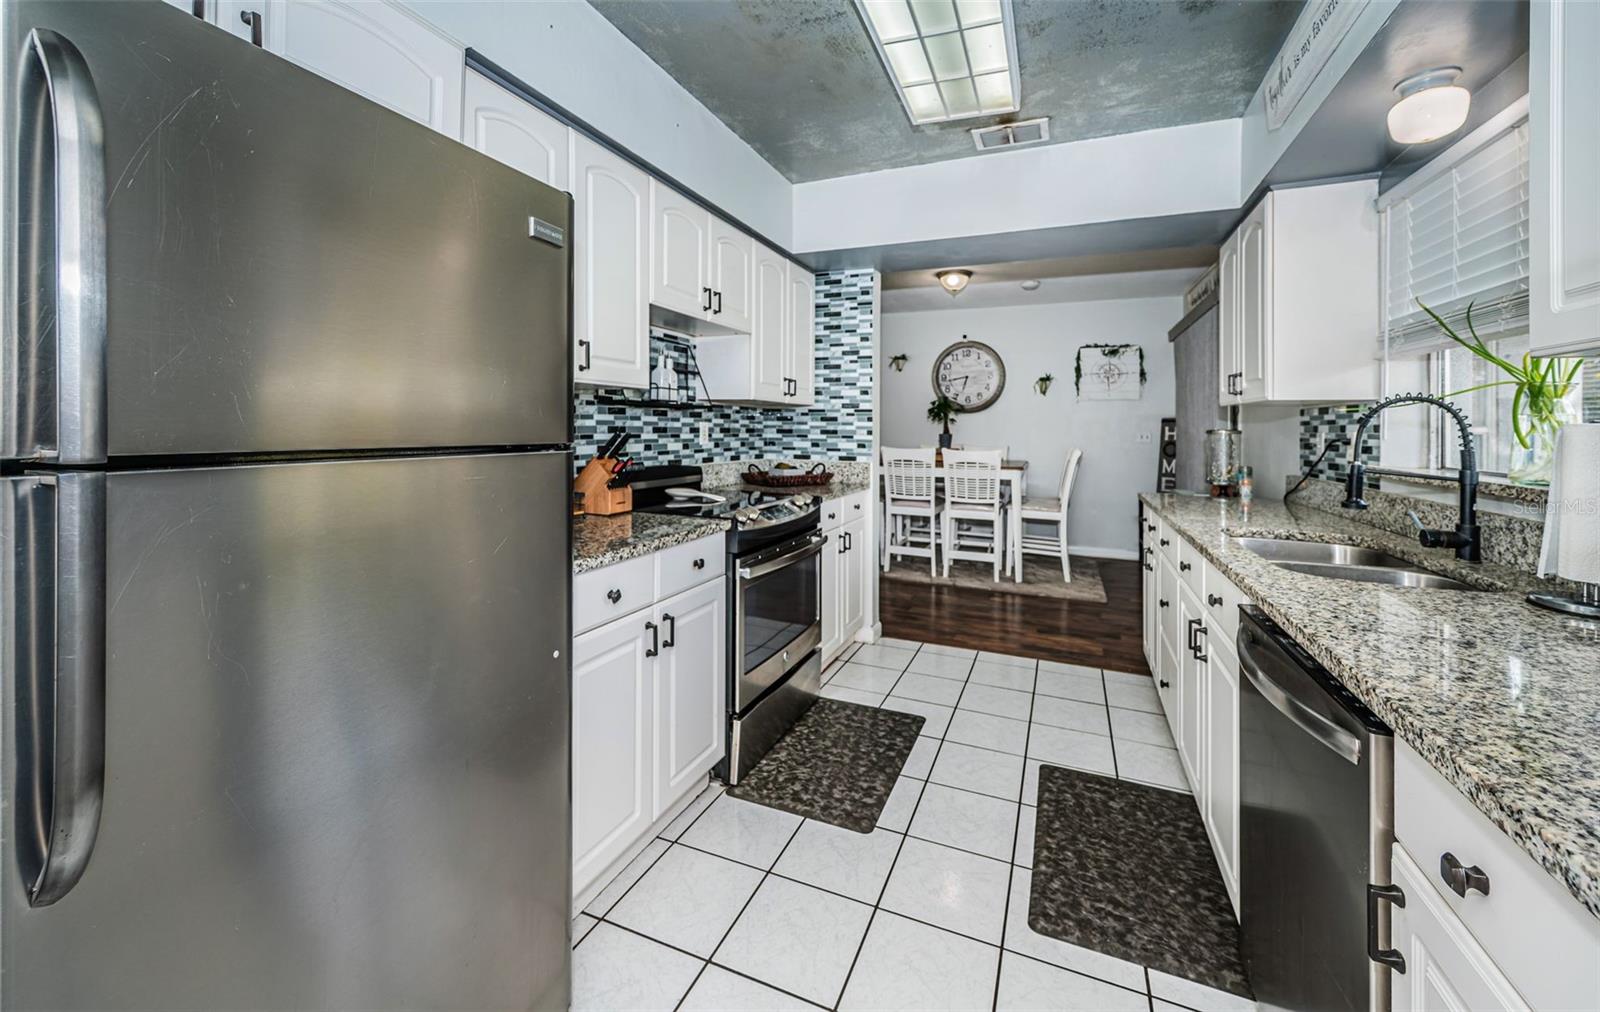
(332, 740)
(211, 250)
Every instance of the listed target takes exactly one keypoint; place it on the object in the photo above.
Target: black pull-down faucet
(1464, 539)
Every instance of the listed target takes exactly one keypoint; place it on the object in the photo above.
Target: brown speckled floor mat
(836, 765)
(1127, 870)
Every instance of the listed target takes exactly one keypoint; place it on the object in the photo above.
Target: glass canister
(1222, 458)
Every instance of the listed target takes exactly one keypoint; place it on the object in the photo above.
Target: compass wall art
(1109, 372)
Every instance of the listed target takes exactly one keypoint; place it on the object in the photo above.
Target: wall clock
(969, 373)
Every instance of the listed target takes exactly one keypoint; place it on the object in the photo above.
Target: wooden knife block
(597, 499)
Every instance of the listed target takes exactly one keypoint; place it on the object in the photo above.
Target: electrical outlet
(1142, 437)
(705, 433)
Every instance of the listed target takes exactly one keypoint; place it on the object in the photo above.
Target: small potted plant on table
(942, 411)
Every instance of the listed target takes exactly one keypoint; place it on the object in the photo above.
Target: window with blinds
(1458, 235)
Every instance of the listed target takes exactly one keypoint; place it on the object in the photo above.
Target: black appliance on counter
(774, 574)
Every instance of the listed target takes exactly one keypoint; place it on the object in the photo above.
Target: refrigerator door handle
(56, 73)
(57, 525)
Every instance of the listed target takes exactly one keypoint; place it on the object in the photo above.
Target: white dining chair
(973, 522)
(1051, 511)
(910, 506)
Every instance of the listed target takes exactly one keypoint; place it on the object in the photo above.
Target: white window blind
(1460, 238)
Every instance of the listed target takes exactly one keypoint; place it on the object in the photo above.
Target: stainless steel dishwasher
(1316, 782)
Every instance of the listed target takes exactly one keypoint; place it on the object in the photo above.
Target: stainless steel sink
(1346, 562)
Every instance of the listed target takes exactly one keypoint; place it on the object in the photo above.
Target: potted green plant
(1541, 404)
(1042, 384)
(942, 411)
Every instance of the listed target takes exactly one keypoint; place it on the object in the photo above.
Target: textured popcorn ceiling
(800, 82)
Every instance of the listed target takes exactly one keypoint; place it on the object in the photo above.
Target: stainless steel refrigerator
(285, 560)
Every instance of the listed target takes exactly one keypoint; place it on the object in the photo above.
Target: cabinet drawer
(1191, 566)
(684, 566)
(1534, 929)
(1222, 600)
(1166, 541)
(601, 595)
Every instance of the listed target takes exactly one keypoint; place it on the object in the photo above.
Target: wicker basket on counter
(788, 477)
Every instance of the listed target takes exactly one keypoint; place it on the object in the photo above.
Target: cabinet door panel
(1221, 805)
(1255, 289)
(800, 338)
(1446, 969)
(732, 281)
(767, 333)
(689, 691)
(509, 130)
(680, 237)
(612, 745)
(374, 49)
(856, 559)
(831, 592)
(1228, 333)
(1191, 689)
(611, 254)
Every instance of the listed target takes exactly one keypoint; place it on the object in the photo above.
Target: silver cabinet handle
(57, 393)
(58, 523)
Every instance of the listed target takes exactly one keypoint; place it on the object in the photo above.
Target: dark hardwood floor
(1101, 635)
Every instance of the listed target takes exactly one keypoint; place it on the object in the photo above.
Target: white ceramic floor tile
(1030, 782)
(968, 821)
(687, 900)
(978, 769)
(928, 688)
(1006, 676)
(684, 818)
(950, 888)
(881, 656)
(896, 814)
(1012, 660)
(1061, 747)
(1072, 714)
(920, 761)
(835, 691)
(898, 644)
(937, 717)
(849, 651)
(1125, 678)
(607, 898)
(752, 834)
(797, 938)
(581, 926)
(866, 678)
(943, 665)
(615, 970)
(720, 990)
(987, 731)
(1063, 685)
(1134, 697)
(1060, 667)
(1023, 939)
(1028, 985)
(906, 965)
(831, 670)
(1150, 764)
(998, 701)
(940, 648)
(1136, 725)
(838, 860)
(1196, 996)
(1027, 822)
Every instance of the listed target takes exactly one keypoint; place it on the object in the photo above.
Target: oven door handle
(783, 562)
(1341, 742)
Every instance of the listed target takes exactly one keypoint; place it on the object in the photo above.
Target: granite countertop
(1501, 697)
(838, 488)
(602, 541)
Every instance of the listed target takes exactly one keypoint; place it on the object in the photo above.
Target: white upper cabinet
(1298, 286)
(509, 130)
(373, 48)
(610, 268)
(680, 234)
(771, 318)
(732, 267)
(799, 336)
(1564, 162)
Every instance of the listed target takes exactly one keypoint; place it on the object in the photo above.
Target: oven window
(778, 607)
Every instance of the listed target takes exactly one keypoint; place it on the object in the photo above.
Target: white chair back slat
(908, 474)
(1069, 474)
(972, 477)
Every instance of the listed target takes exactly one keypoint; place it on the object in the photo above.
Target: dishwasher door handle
(1339, 741)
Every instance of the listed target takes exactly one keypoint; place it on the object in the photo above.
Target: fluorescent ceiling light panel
(948, 59)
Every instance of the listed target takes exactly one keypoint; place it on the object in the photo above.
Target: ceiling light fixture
(954, 280)
(1431, 106)
(948, 59)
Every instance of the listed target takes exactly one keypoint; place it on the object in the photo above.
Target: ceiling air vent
(1011, 135)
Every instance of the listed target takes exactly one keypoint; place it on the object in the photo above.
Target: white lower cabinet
(648, 710)
(847, 561)
(1446, 969)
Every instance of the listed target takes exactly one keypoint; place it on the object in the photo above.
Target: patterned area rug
(1041, 577)
(1127, 870)
(836, 765)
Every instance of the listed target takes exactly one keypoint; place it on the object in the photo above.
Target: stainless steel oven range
(774, 602)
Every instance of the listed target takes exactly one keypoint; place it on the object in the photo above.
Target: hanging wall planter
(899, 363)
(1042, 384)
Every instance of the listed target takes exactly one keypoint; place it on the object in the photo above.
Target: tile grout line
(1016, 840)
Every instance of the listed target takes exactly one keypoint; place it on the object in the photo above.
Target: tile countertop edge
(1516, 812)
(598, 542)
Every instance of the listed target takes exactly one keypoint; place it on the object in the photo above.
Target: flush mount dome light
(947, 59)
(953, 281)
(1431, 106)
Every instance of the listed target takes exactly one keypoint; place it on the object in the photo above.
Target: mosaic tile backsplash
(1320, 424)
(838, 426)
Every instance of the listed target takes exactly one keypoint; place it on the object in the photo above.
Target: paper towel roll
(1571, 547)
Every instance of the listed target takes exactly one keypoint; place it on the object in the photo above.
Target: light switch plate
(1142, 437)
